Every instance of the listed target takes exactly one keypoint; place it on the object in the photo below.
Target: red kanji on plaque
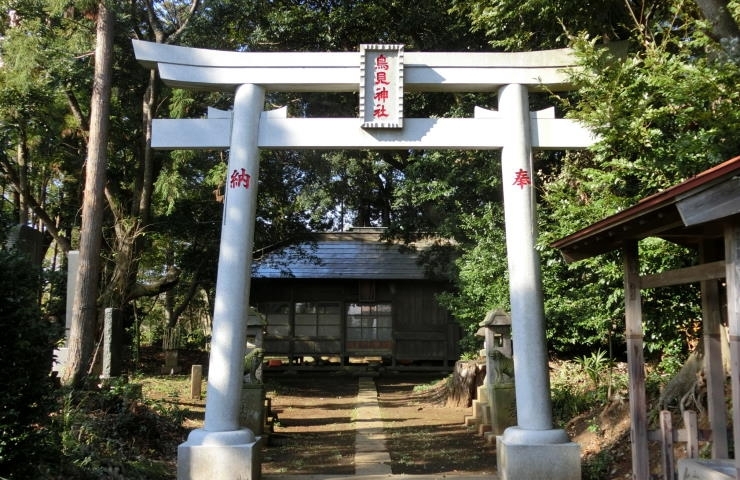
(381, 94)
(239, 179)
(522, 178)
(380, 112)
(381, 63)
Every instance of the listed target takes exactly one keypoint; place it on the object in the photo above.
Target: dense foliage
(665, 110)
(662, 102)
(661, 97)
(26, 345)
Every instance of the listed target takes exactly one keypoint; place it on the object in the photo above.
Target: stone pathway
(371, 456)
(372, 460)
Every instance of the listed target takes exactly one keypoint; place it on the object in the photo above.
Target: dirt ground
(315, 430)
(315, 433)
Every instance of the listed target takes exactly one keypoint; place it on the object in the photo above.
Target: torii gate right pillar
(532, 449)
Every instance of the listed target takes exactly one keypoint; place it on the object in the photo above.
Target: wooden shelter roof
(687, 214)
(360, 254)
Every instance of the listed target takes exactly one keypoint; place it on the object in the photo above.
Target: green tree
(663, 110)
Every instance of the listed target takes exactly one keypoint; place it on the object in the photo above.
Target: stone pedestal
(502, 399)
(220, 455)
(537, 455)
(252, 411)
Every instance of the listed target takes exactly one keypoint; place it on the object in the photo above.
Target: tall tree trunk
(84, 314)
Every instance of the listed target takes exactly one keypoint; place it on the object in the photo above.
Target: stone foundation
(518, 460)
(197, 460)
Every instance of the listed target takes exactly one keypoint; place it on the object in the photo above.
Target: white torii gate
(223, 450)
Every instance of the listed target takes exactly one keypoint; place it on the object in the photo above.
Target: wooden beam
(688, 434)
(666, 430)
(732, 259)
(713, 365)
(692, 433)
(636, 362)
(680, 276)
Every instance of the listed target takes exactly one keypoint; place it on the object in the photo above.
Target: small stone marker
(196, 379)
(112, 340)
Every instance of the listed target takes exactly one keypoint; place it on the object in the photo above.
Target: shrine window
(369, 321)
(318, 319)
(277, 318)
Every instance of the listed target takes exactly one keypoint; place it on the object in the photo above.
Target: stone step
(478, 408)
(471, 421)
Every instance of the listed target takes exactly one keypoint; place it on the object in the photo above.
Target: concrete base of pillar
(210, 460)
(519, 459)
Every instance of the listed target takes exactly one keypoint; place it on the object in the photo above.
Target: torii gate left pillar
(221, 449)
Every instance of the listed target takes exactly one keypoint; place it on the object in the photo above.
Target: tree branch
(168, 281)
(194, 4)
(51, 226)
(74, 107)
(178, 311)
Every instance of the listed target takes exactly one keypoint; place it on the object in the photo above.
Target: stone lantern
(496, 330)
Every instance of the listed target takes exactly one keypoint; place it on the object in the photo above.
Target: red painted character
(381, 94)
(381, 63)
(522, 178)
(240, 179)
(381, 78)
(380, 112)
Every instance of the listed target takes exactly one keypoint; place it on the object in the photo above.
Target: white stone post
(221, 449)
(532, 449)
(534, 410)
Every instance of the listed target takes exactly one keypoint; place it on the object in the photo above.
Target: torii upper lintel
(198, 68)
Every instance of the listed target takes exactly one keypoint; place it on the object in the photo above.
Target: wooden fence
(668, 437)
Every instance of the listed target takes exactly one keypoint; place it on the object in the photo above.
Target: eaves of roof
(657, 215)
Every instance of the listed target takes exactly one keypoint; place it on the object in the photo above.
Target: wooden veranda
(701, 213)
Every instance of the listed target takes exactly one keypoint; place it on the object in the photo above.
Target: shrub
(26, 353)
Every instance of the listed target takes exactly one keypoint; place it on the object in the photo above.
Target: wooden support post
(196, 380)
(692, 433)
(666, 437)
(732, 259)
(636, 363)
(713, 364)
